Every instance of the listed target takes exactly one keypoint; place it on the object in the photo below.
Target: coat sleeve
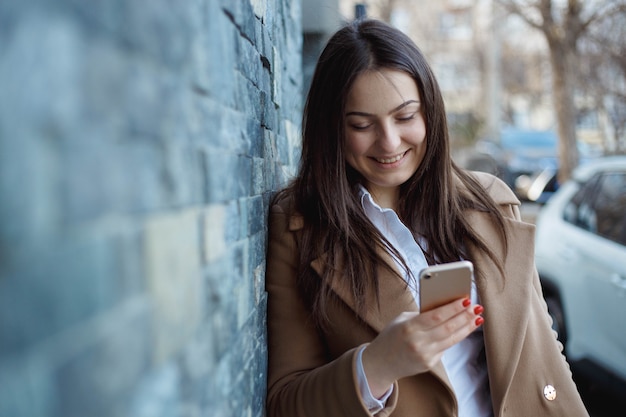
(302, 380)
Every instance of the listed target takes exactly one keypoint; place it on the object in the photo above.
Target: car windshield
(528, 138)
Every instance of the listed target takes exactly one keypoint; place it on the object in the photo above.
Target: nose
(389, 137)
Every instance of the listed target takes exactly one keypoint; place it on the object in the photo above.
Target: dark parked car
(516, 152)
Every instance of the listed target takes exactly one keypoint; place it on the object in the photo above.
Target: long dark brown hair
(325, 190)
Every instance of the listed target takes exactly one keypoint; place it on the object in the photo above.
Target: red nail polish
(478, 309)
(479, 321)
(466, 302)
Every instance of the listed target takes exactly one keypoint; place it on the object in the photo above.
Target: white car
(580, 253)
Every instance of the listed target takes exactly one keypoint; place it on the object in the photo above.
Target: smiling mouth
(390, 160)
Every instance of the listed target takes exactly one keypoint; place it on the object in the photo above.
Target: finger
(458, 327)
(443, 313)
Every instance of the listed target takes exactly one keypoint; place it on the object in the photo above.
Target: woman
(378, 198)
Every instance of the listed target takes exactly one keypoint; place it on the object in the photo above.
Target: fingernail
(466, 302)
(478, 309)
(479, 321)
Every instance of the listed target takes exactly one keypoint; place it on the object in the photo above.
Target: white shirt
(464, 362)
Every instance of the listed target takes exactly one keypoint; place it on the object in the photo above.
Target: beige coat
(312, 374)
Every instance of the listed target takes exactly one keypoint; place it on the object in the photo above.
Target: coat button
(549, 392)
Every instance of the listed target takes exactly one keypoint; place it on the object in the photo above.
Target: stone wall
(139, 144)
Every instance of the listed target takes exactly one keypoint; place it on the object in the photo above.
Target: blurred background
(140, 143)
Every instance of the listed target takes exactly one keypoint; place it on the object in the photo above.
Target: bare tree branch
(517, 9)
(603, 13)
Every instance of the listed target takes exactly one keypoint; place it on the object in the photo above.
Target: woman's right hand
(413, 343)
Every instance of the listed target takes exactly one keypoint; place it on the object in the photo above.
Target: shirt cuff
(373, 405)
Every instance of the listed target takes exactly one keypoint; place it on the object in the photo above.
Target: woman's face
(385, 131)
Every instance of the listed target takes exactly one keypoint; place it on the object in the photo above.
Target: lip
(390, 161)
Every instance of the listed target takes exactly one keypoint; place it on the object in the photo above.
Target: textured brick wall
(139, 145)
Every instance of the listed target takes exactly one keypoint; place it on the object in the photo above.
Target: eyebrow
(401, 106)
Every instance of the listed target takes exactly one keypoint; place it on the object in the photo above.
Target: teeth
(390, 160)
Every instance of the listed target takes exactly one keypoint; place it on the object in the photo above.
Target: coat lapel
(505, 299)
(395, 297)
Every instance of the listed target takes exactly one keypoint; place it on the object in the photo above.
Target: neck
(385, 197)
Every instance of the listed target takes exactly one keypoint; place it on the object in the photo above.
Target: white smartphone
(440, 284)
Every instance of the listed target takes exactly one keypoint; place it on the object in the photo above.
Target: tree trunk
(563, 61)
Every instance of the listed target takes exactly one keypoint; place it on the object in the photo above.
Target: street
(601, 399)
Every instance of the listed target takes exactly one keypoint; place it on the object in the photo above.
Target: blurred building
(320, 19)
(493, 68)
(464, 42)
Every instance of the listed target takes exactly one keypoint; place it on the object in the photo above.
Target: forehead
(381, 90)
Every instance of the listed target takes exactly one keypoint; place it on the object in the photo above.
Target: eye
(360, 126)
(406, 117)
